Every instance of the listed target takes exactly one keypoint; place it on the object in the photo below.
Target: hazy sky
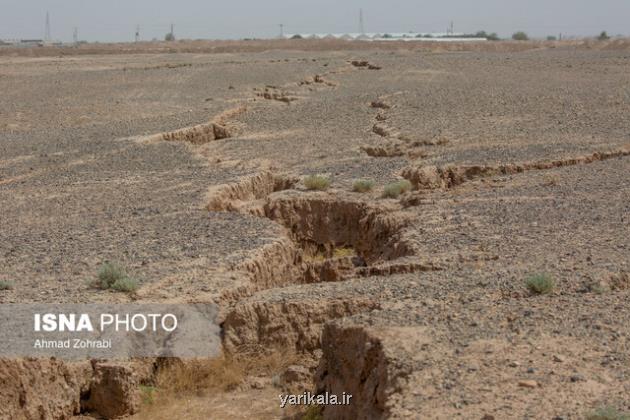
(115, 20)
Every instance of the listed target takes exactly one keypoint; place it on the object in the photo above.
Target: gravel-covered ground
(78, 188)
(82, 180)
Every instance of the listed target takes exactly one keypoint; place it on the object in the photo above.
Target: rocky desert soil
(188, 167)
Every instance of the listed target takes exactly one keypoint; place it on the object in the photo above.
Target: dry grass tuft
(540, 284)
(322, 255)
(114, 276)
(363, 185)
(607, 413)
(344, 252)
(195, 376)
(5, 285)
(318, 257)
(551, 180)
(395, 189)
(316, 182)
(177, 379)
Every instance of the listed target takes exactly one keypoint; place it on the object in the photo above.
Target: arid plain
(229, 175)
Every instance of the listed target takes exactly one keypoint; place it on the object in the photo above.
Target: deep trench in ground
(336, 239)
(328, 238)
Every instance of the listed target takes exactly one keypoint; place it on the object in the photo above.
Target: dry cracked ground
(189, 169)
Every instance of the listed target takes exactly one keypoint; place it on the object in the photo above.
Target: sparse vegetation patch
(316, 182)
(395, 189)
(221, 374)
(6, 285)
(607, 413)
(126, 284)
(344, 252)
(363, 185)
(113, 276)
(540, 284)
(148, 394)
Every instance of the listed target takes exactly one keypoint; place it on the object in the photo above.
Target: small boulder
(528, 384)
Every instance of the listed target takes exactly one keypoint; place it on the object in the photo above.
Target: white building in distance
(390, 36)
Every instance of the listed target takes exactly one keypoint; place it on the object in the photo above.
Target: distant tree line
(603, 36)
(520, 36)
(490, 37)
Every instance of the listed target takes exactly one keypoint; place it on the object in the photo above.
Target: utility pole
(47, 30)
(75, 36)
(281, 30)
(138, 32)
(361, 27)
(452, 28)
(172, 32)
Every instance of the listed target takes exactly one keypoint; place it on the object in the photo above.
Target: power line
(138, 32)
(47, 30)
(361, 27)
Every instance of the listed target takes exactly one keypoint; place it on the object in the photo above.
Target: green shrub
(607, 413)
(109, 273)
(395, 189)
(5, 285)
(363, 185)
(603, 36)
(113, 276)
(490, 37)
(316, 182)
(520, 36)
(126, 284)
(493, 37)
(540, 284)
(148, 394)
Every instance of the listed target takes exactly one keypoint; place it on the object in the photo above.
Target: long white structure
(390, 36)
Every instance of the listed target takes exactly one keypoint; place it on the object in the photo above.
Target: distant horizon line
(326, 34)
(324, 37)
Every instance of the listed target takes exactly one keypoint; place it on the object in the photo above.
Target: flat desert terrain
(481, 270)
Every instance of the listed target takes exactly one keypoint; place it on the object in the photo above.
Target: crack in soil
(402, 144)
(327, 239)
(364, 64)
(286, 95)
(331, 239)
(436, 177)
(218, 128)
